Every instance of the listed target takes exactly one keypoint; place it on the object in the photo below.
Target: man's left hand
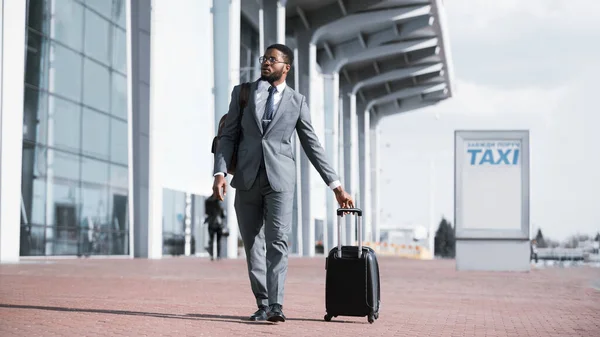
(343, 198)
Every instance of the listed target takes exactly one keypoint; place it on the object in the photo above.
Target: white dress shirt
(262, 93)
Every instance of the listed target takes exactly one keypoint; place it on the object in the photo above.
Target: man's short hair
(287, 52)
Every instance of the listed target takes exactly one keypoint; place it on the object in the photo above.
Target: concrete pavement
(196, 297)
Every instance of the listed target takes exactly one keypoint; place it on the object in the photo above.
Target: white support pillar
(366, 175)
(12, 79)
(307, 60)
(354, 160)
(375, 177)
(341, 148)
(296, 243)
(271, 17)
(144, 176)
(156, 11)
(281, 21)
(331, 100)
(226, 30)
(351, 171)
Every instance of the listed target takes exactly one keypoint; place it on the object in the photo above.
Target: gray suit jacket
(275, 144)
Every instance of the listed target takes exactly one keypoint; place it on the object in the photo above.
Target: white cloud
(518, 65)
(474, 99)
(534, 43)
(503, 17)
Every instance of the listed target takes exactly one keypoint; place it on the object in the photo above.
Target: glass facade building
(75, 133)
(108, 109)
(75, 179)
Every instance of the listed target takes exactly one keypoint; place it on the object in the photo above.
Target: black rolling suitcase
(352, 277)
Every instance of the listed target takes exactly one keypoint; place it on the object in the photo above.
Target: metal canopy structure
(375, 58)
(383, 58)
(378, 47)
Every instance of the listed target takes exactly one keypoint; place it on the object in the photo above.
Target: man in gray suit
(265, 176)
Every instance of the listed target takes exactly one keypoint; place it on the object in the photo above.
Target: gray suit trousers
(266, 251)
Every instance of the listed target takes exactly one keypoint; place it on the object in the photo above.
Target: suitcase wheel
(328, 318)
(371, 318)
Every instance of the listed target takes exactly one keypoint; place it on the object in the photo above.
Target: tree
(444, 242)
(597, 237)
(539, 239)
(572, 241)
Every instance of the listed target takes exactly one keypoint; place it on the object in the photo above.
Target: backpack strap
(244, 97)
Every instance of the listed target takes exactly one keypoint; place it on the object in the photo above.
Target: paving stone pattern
(196, 297)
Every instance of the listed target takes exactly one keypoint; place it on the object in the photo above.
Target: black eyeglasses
(271, 60)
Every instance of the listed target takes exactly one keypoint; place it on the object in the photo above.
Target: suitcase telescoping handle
(358, 214)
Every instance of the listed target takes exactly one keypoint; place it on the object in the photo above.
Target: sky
(517, 65)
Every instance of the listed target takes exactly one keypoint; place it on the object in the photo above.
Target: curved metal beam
(369, 20)
(346, 56)
(363, 41)
(436, 95)
(391, 109)
(398, 85)
(323, 15)
(397, 75)
(412, 102)
(423, 89)
(353, 74)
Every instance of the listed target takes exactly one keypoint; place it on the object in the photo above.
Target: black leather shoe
(275, 313)
(260, 314)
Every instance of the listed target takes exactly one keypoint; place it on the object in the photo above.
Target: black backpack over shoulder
(243, 102)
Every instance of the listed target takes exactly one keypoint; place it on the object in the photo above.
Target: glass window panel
(96, 86)
(63, 124)
(60, 180)
(177, 212)
(119, 176)
(85, 236)
(97, 37)
(66, 22)
(61, 235)
(66, 224)
(36, 62)
(38, 203)
(119, 96)
(62, 208)
(119, 243)
(118, 144)
(68, 245)
(119, 50)
(36, 11)
(94, 207)
(35, 116)
(62, 166)
(94, 171)
(95, 134)
(32, 240)
(118, 210)
(65, 72)
(168, 210)
(104, 7)
(119, 12)
(33, 185)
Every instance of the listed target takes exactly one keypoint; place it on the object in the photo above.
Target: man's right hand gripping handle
(220, 187)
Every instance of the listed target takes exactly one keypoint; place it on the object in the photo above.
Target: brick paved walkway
(196, 297)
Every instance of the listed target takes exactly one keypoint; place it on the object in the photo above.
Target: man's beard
(273, 77)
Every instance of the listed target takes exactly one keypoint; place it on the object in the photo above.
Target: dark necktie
(269, 108)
